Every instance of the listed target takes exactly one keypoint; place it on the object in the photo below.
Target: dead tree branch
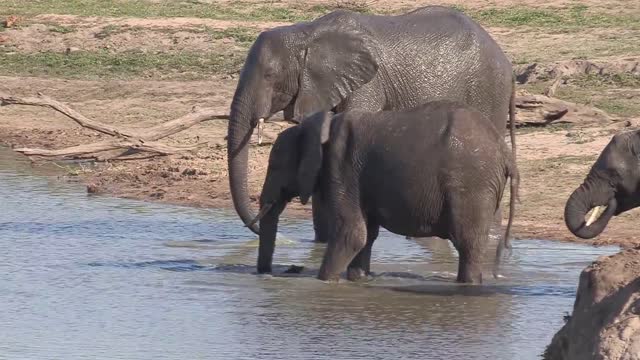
(174, 126)
(124, 139)
(45, 101)
(88, 149)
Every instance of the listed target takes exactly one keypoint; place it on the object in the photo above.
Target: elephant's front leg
(320, 219)
(360, 266)
(348, 238)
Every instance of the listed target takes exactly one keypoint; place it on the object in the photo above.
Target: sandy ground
(552, 160)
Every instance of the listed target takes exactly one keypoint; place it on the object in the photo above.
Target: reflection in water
(101, 278)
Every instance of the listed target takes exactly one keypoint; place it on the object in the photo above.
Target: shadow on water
(488, 290)
(432, 284)
(170, 265)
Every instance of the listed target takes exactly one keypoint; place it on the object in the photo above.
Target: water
(86, 277)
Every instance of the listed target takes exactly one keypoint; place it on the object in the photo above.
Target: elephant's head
(300, 69)
(294, 165)
(610, 188)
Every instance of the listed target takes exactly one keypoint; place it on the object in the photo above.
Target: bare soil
(124, 34)
(553, 160)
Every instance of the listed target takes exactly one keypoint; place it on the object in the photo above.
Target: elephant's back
(433, 135)
(428, 23)
(474, 130)
(475, 152)
(436, 53)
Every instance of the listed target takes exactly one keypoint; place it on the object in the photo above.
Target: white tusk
(260, 129)
(263, 211)
(597, 212)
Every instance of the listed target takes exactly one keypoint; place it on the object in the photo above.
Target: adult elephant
(611, 187)
(346, 60)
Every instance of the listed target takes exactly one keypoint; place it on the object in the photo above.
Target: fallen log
(45, 101)
(115, 144)
(535, 110)
(540, 110)
(128, 140)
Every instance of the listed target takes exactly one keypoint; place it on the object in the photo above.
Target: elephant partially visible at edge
(611, 187)
(436, 170)
(346, 60)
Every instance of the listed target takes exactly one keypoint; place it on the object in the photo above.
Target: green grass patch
(359, 6)
(241, 35)
(517, 16)
(557, 163)
(536, 87)
(618, 106)
(102, 65)
(110, 30)
(579, 137)
(557, 127)
(575, 17)
(607, 80)
(615, 103)
(163, 8)
(560, 19)
(61, 29)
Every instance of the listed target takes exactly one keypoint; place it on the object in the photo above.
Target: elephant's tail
(512, 124)
(514, 180)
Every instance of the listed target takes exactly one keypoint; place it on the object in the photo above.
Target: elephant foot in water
(294, 269)
(355, 274)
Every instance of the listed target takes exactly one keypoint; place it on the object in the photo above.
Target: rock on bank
(605, 324)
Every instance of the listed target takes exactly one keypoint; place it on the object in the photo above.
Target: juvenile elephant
(439, 169)
(611, 187)
(345, 60)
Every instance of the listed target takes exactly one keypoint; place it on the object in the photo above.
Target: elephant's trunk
(268, 231)
(246, 109)
(581, 201)
(238, 154)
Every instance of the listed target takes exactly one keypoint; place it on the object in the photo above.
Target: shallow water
(88, 277)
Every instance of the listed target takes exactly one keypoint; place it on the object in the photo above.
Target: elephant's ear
(315, 132)
(335, 63)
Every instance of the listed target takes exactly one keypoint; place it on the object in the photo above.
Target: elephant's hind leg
(361, 265)
(346, 241)
(470, 258)
(470, 227)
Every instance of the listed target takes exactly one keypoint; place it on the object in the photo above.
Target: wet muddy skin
(85, 276)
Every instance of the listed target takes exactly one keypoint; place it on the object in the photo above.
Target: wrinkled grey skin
(345, 60)
(435, 170)
(613, 180)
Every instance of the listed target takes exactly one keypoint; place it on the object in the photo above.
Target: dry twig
(130, 141)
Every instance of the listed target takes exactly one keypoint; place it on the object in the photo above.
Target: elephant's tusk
(260, 130)
(263, 211)
(597, 212)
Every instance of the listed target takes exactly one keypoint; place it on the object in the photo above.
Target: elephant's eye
(269, 75)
